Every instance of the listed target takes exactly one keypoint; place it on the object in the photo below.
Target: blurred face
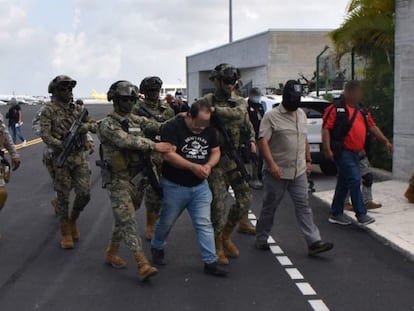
(153, 94)
(255, 98)
(201, 122)
(64, 92)
(126, 103)
(354, 96)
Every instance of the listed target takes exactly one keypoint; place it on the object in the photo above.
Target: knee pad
(368, 180)
(3, 197)
(81, 201)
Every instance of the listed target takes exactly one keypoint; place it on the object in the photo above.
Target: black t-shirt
(13, 114)
(192, 147)
(256, 113)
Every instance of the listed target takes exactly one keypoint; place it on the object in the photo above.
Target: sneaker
(215, 269)
(262, 245)
(24, 143)
(372, 205)
(348, 206)
(158, 256)
(319, 247)
(364, 219)
(339, 220)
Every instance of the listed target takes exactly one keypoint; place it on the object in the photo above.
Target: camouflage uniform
(55, 121)
(7, 143)
(119, 149)
(162, 109)
(233, 114)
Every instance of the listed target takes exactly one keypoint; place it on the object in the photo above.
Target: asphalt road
(360, 273)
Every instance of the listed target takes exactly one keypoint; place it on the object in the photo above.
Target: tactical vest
(343, 124)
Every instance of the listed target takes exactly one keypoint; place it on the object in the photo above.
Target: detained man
(285, 148)
(184, 181)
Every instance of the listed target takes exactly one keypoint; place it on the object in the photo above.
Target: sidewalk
(394, 221)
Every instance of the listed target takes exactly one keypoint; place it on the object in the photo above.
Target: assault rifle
(72, 138)
(146, 168)
(146, 112)
(230, 148)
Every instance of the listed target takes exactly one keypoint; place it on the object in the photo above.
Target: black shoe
(158, 256)
(319, 247)
(262, 245)
(215, 269)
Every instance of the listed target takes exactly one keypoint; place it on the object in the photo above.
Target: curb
(373, 233)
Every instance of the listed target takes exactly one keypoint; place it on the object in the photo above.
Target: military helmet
(225, 71)
(150, 82)
(122, 88)
(60, 80)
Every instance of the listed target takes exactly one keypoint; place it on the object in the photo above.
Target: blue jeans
(16, 132)
(197, 200)
(349, 179)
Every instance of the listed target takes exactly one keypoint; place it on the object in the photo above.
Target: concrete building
(403, 159)
(265, 59)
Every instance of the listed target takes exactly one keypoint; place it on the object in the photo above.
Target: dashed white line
(306, 289)
(276, 250)
(294, 274)
(318, 305)
(284, 260)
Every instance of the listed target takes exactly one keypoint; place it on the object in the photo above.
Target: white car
(314, 109)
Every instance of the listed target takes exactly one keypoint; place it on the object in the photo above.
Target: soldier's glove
(15, 163)
(84, 129)
(91, 146)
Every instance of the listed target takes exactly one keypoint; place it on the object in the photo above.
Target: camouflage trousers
(125, 199)
(76, 175)
(151, 199)
(219, 182)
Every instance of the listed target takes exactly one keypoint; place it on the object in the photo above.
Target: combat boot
(230, 249)
(145, 270)
(245, 226)
(151, 221)
(112, 258)
(73, 226)
(372, 205)
(66, 240)
(409, 194)
(221, 257)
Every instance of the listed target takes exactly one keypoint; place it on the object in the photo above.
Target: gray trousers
(274, 191)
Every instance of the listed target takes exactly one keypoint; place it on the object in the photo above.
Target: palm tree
(368, 28)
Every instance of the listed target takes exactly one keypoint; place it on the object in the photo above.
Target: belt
(354, 151)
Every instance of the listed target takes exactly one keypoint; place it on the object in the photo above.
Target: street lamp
(230, 21)
(317, 68)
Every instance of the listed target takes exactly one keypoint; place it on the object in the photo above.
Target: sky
(97, 42)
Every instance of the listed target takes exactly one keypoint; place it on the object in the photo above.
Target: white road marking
(252, 217)
(306, 289)
(270, 240)
(294, 274)
(318, 305)
(284, 260)
(276, 250)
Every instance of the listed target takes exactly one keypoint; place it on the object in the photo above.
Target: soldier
(6, 142)
(232, 113)
(122, 148)
(56, 119)
(159, 111)
(47, 159)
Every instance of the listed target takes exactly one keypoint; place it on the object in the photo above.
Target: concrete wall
(245, 53)
(404, 91)
(293, 52)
